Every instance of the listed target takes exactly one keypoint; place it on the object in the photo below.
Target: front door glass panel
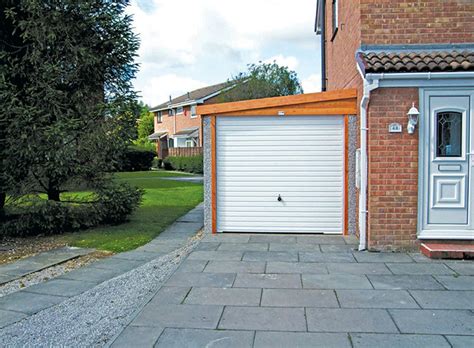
(449, 134)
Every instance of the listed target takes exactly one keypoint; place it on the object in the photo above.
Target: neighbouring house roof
(157, 135)
(188, 131)
(193, 97)
(415, 61)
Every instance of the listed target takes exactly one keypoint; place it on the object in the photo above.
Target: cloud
(312, 83)
(158, 89)
(290, 61)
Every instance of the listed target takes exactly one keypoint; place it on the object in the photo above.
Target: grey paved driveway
(307, 291)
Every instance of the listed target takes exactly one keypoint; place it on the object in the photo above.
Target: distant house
(177, 125)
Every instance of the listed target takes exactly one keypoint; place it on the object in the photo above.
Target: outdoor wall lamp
(413, 114)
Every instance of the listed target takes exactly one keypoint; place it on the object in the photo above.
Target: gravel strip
(49, 273)
(98, 315)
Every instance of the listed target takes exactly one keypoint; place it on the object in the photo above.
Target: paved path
(195, 179)
(240, 290)
(26, 303)
(38, 262)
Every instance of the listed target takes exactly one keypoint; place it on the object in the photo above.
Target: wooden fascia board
(277, 102)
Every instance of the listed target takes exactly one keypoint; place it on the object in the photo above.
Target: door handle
(279, 199)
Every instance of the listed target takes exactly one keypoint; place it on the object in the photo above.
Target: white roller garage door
(297, 158)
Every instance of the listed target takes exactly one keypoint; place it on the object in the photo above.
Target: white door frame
(425, 140)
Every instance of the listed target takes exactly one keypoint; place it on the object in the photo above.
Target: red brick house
(416, 173)
(177, 125)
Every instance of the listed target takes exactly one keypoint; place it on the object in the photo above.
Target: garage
(279, 165)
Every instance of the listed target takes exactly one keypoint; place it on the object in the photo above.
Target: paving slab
(375, 299)
(227, 238)
(437, 322)
(258, 280)
(461, 341)
(61, 287)
(38, 262)
(419, 268)
(270, 256)
(308, 256)
(397, 340)
(433, 299)
(138, 255)
(137, 336)
(224, 296)
(358, 268)
(294, 247)
(299, 298)
(457, 282)
(28, 303)
(216, 255)
(335, 281)
(90, 274)
(263, 318)
(405, 282)
(193, 266)
(273, 339)
(208, 246)
(321, 239)
(338, 248)
(243, 247)
(169, 295)
(184, 227)
(367, 256)
(235, 266)
(349, 320)
(192, 338)
(203, 279)
(266, 238)
(296, 267)
(117, 264)
(10, 317)
(463, 267)
(179, 316)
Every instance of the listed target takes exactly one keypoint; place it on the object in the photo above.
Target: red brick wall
(341, 71)
(393, 171)
(416, 21)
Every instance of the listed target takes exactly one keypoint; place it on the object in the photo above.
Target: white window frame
(171, 112)
(189, 143)
(159, 116)
(193, 111)
(335, 18)
(179, 110)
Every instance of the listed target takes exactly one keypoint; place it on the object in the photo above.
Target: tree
(145, 125)
(66, 77)
(262, 80)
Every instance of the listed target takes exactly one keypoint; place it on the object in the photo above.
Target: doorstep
(436, 250)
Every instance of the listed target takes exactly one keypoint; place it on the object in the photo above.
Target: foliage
(68, 106)
(262, 80)
(135, 159)
(157, 162)
(191, 164)
(110, 204)
(145, 124)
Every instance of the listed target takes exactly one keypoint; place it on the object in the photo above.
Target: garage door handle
(279, 199)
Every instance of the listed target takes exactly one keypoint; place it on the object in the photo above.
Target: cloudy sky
(188, 44)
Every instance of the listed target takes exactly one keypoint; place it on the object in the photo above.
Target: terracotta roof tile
(425, 61)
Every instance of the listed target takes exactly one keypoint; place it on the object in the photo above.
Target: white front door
(280, 174)
(448, 182)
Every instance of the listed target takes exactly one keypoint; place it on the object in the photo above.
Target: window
(335, 18)
(159, 115)
(193, 111)
(449, 134)
(179, 110)
(189, 143)
(171, 112)
(170, 142)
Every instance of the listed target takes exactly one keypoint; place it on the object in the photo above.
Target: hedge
(111, 204)
(135, 159)
(190, 164)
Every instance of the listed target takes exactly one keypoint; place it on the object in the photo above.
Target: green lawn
(164, 201)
